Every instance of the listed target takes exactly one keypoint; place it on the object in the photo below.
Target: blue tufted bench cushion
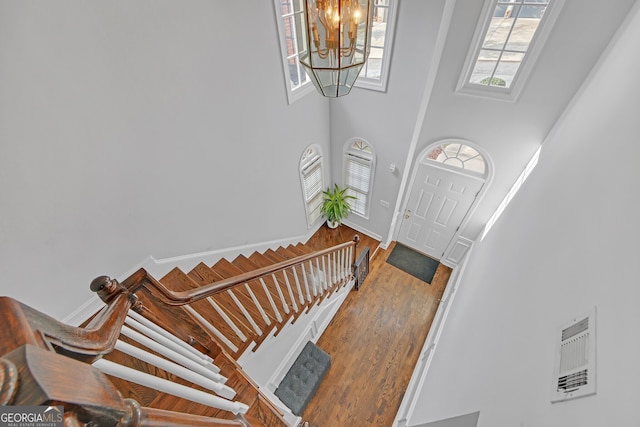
(303, 379)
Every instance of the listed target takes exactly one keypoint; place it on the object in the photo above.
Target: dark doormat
(412, 262)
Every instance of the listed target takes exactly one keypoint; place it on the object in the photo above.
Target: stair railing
(44, 362)
(141, 279)
(32, 374)
(276, 292)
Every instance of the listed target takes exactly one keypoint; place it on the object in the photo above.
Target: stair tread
(244, 263)
(299, 277)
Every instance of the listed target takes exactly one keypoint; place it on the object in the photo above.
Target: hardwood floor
(374, 342)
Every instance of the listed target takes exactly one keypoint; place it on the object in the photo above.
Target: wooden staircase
(259, 296)
(185, 331)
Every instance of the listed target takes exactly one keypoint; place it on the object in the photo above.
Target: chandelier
(336, 39)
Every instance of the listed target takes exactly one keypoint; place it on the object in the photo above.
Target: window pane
(511, 30)
(451, 150)
(378, 32)
(486, 64)
(286, 7)
(312, 181)
(297, 5)
(358, 175)
(373, 72)
(359, 204)
(289, 35)
(314, 209)
(300, 32)
(476, 165)
(524, 28)
(457, 155)
(508, 67)
(467, 153)
(374, 64)
(500, 27)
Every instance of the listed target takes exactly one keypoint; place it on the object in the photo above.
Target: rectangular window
(507, 42)
(312, 183)
(290, 20)
(374, 73)
(290, 15)
(358, 180)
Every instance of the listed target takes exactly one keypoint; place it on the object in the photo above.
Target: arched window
(458, 155)
(359, 164)
(312, 180)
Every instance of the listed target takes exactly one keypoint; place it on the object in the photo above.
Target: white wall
(512, 132)
(387, 120)
(130, 129)
(567, 242)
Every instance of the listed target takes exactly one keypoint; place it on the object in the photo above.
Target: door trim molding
(488, 179)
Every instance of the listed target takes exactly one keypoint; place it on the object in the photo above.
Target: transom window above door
(458, 155)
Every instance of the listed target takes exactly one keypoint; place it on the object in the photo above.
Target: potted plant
(336, 205)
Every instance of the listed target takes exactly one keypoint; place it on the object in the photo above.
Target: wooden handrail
(142, 279)
(24, 325)
(46, 378)
(31, 373)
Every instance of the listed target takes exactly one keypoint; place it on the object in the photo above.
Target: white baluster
(285, 306)
(306, 283)
(273, 304)
(334, 279)
(319, 274)
(244, 311)
(326, 272)
(297, 279)
(164, 337)
(172, 355)
(258, 305)
(286, 280)
(174, 368)
(169, 387)
(227, 319)
(204, 322)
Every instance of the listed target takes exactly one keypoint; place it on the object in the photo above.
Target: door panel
(438, 202)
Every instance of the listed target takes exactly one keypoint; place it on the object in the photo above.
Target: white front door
(438, 202)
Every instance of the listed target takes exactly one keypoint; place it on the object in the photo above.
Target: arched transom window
(458, 155)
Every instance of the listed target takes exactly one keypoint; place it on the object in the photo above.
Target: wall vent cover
(574, 372)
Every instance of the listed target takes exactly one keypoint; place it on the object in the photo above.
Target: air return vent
(575, 363)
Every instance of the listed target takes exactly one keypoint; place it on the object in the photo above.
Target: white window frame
(535, 47)
(351, 154)
(378, 84)
(293, 94)
(312, 195)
